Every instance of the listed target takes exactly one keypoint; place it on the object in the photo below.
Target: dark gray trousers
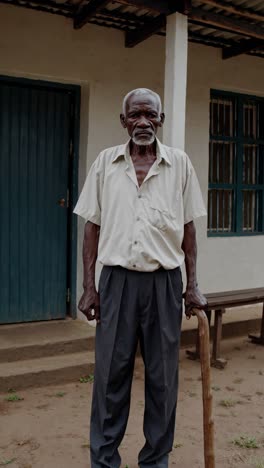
(144, 307)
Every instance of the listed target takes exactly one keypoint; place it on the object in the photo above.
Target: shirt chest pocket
(161, 218)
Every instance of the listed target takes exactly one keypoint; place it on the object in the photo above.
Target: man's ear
(123, 120)
(162, 118)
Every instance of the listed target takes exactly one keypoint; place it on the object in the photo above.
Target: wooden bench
(219, 302)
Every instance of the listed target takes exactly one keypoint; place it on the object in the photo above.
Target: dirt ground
(49, 427)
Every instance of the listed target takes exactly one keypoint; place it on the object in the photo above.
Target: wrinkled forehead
(141, 102)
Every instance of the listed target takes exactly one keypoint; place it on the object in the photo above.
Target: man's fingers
(87, 311)
(97, 314)
(91, 311)
(90, 315)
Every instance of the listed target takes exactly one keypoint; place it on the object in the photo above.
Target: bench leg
(259, 339)
(216, 361)
(195, 355)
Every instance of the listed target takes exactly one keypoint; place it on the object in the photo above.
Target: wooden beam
(152, 27)
(160, 7)
(243, 12)
(213, 41)
(133, 38)
(124, 18)
(87, 12)
(243, 47)
(226, 23)
(157, 6)
(180, 6)
(49, 7)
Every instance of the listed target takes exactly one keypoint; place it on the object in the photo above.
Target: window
(236, 165)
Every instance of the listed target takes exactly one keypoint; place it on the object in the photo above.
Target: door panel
(35, 126)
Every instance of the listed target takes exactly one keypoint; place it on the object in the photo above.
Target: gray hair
(139, 92)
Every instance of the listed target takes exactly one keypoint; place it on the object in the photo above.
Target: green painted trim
(235, 139)
(75, 90)
(73, 201)
(234, 234)
(223, 186)
(39, 83)
(239, 167)
(238, 186)
(217, 92)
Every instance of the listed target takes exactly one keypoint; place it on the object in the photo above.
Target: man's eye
(152, 115)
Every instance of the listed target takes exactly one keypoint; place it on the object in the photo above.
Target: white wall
(232, 262)
(43, 46)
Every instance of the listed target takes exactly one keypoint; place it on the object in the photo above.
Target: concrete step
(43, 339)
(45, 371)
(36, 354)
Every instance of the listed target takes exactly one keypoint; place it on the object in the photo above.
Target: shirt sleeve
(194, 206)
(89, 203)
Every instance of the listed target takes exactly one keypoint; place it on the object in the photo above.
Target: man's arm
(193, 297)
(90, 298)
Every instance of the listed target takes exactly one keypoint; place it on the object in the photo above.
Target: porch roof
(236, 26)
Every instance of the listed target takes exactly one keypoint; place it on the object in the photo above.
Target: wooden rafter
(226, 23)
(243, 47)
(133, 38)
(138, 27)
(243, 12)
(141, 34)
(182, 6)
(156, 6)
(203, 17)
(87, 12)
(46, 7)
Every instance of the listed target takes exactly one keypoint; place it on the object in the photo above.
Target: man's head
(142, 115)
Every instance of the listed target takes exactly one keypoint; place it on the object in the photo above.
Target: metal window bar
(250, 109)
(236, 182)
(222, 117)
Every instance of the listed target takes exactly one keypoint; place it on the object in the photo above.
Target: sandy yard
(49, 427)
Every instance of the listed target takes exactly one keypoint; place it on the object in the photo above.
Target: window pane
(222, 117)
(250, 119)
(236, 164)
(252, 164)
(221, 164)
(261, 120)
(220, 210)
(260, 169)
(251, 210)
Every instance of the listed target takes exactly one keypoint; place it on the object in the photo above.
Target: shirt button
(135, 242)
(134, 266)
(138, 218)
(139, 196)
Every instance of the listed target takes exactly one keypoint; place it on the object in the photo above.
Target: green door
(35, 139)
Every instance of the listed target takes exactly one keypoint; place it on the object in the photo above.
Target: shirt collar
(161, 153)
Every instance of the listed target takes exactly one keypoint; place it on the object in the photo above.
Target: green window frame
(236, 165)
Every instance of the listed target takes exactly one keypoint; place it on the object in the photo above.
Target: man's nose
(143, 122)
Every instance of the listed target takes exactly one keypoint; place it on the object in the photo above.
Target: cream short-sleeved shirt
(142, 227)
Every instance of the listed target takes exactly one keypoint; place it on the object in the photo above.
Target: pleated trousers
(145, 308)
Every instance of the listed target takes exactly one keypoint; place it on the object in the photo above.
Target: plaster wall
(43, 46)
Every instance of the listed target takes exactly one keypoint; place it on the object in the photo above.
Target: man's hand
(89, 304)
(194, 298)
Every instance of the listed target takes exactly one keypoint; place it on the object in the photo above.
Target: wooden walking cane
(208, 423)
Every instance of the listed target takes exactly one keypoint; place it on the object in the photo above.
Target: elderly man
(139, 202)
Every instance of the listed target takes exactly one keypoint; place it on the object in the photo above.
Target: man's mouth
(143, 134)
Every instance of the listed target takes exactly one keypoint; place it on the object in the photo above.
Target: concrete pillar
(175, 80)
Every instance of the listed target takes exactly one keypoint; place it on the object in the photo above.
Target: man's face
(142, 118)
